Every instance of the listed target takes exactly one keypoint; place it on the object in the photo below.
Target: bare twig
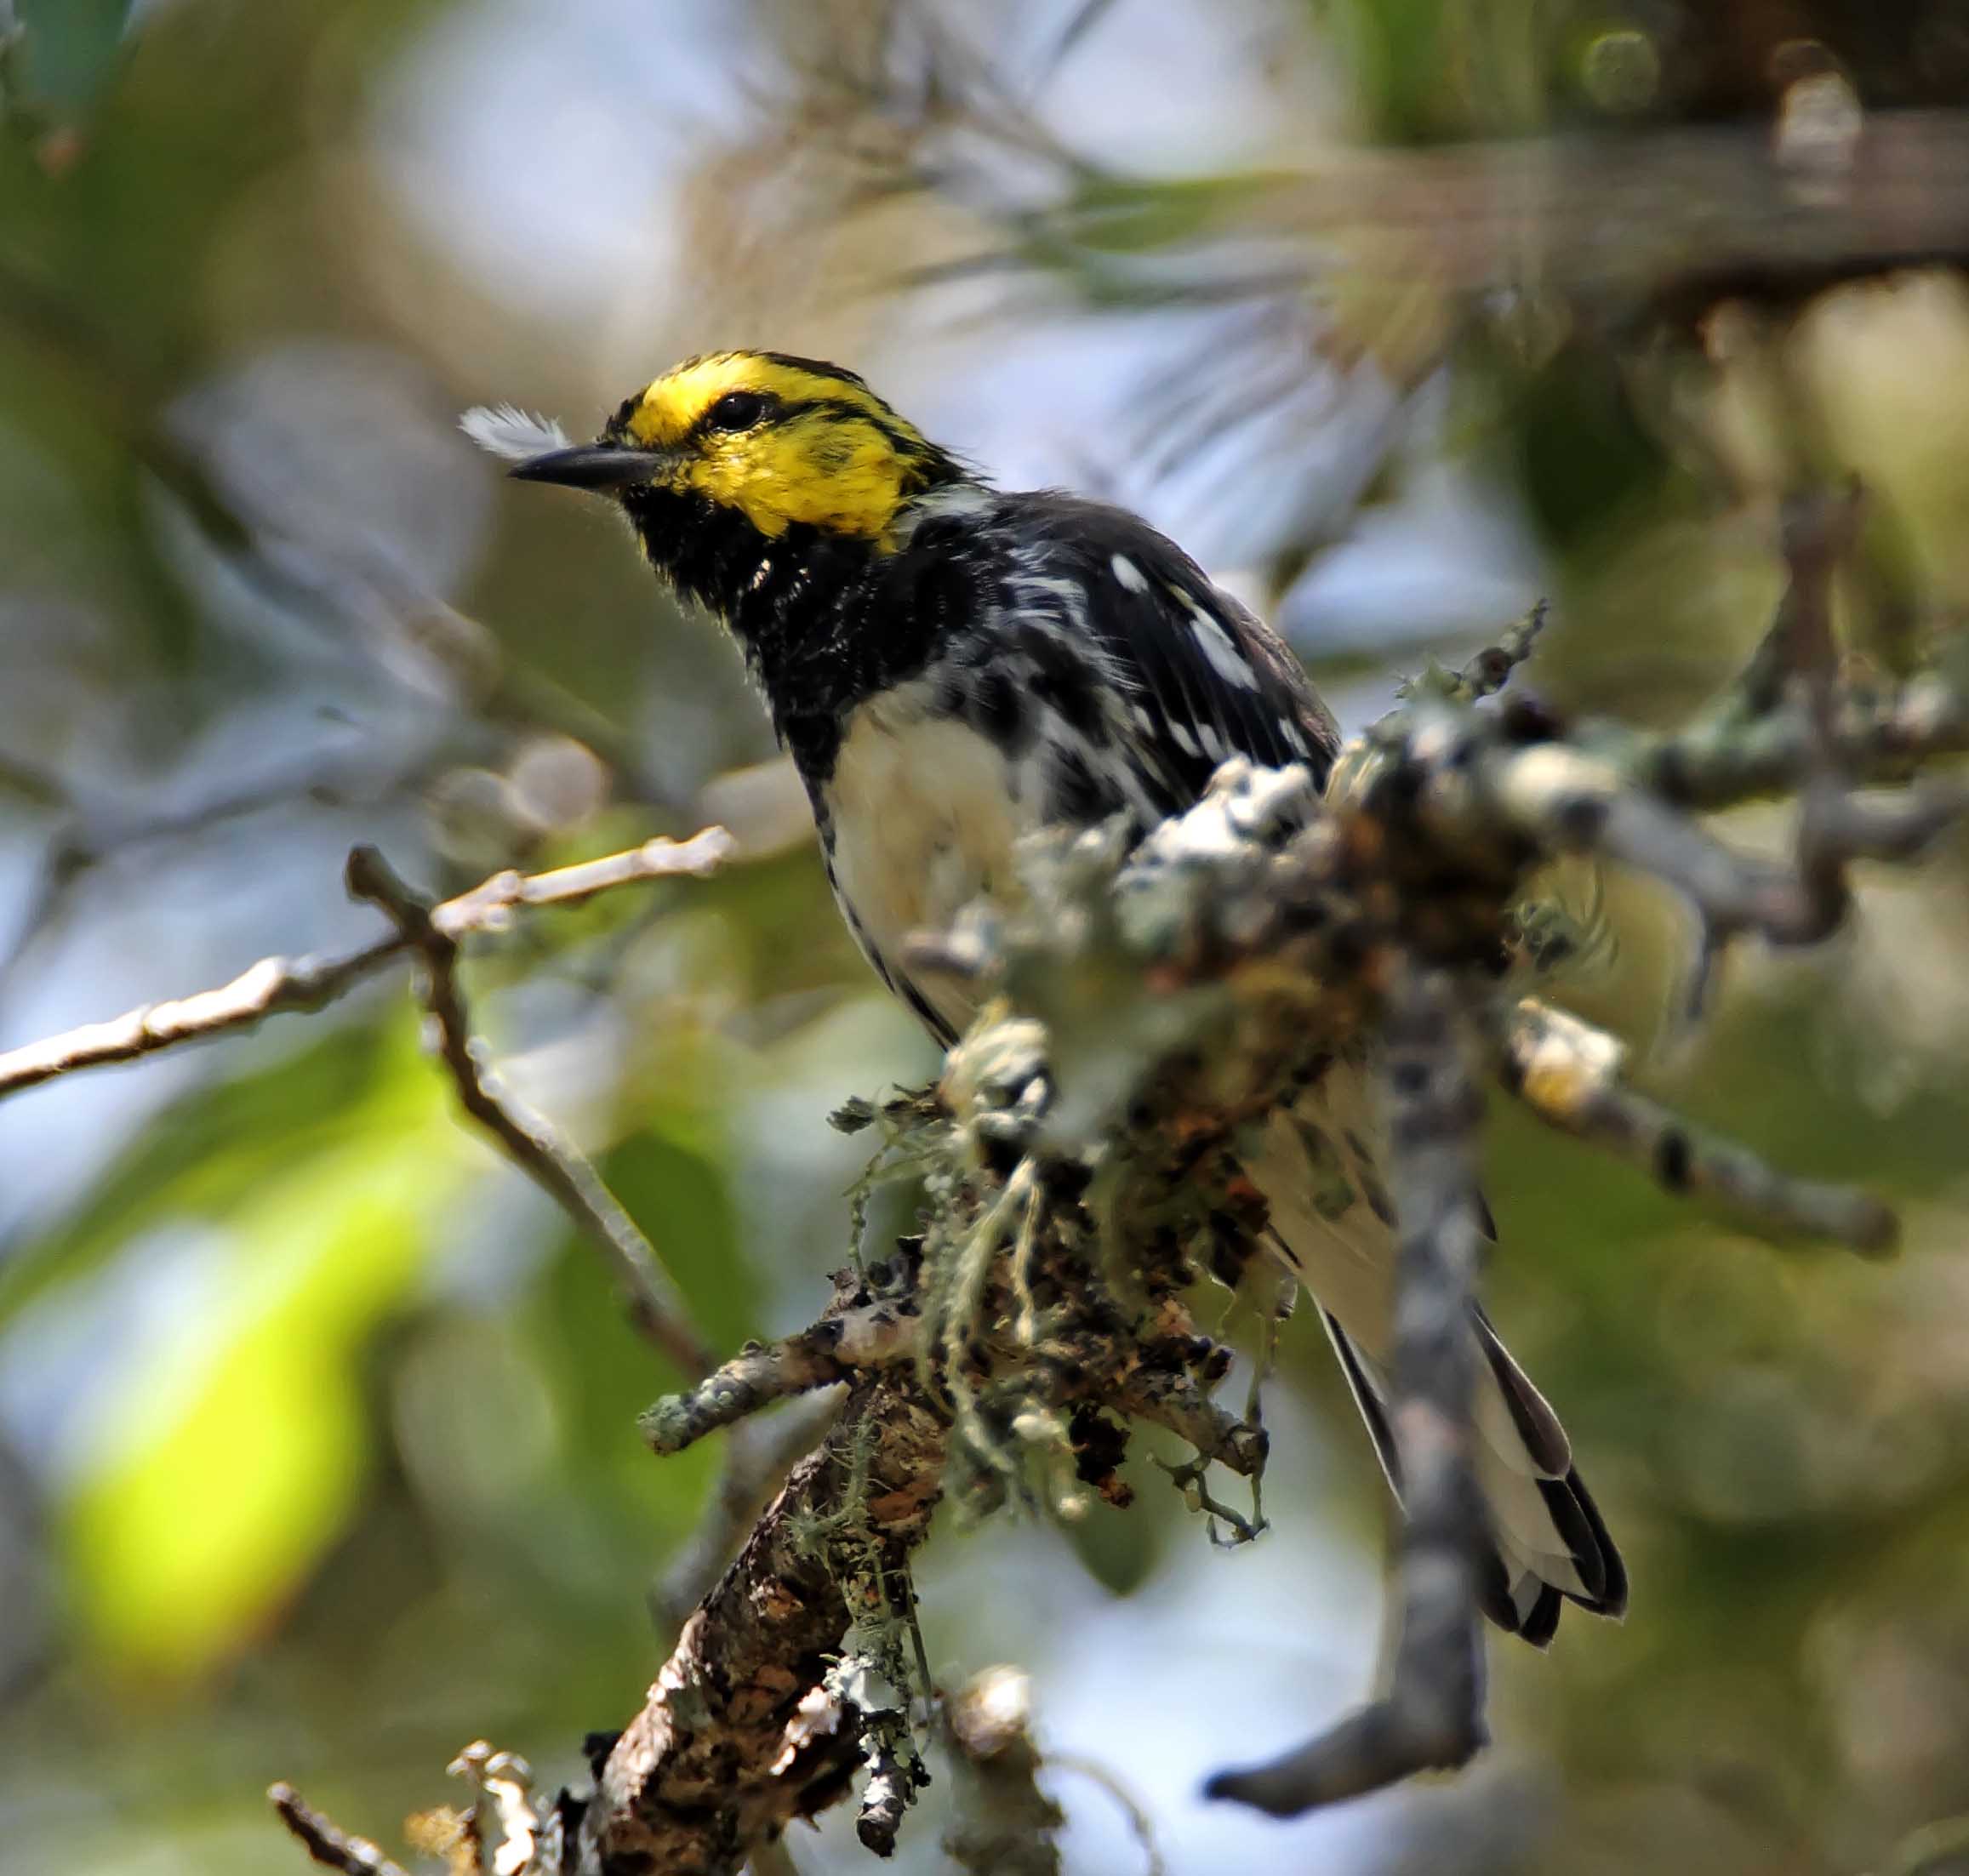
(656, 1306)
(487, 906)
(1133, 1809)
(276, 984)
(272, 985)
(354, 1856)
(1568, 1074)
(1624, 226)
(1432, 1713)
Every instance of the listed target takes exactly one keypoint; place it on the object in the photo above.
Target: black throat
(825, 620)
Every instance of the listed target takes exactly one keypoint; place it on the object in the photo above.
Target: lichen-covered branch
(757, 1457)
(734, 1741)
(850, 1337)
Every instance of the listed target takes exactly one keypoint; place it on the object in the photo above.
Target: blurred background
(318, 1455)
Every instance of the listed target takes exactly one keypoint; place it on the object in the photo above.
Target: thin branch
(1133, 1809)
(272, 985)
(487, 906)
(1431, 1716)
(1568, 1074)
(877, 1332)
(1880, 737)
(656, 1306)
(1491, 669)
(1173, 1398)
(354, 1856)
(276, 984)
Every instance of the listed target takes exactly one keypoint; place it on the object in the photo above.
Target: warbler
(950, 665)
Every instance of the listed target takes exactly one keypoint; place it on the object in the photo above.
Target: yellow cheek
(854, 492)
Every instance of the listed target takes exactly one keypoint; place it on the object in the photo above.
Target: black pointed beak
(601, 466)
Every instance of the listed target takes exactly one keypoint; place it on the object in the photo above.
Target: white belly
(925, 812)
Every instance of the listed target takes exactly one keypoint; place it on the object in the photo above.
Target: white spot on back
(1179, 734)
(1214, 642)
(1129, 574)
(1068, 595)
(955, 498)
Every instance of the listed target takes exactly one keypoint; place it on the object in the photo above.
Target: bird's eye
(736, 410)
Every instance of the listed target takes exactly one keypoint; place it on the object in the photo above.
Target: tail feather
(1332, 1225)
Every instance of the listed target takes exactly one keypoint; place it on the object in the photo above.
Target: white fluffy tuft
(508, 432)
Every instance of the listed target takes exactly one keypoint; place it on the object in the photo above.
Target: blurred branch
(1431, 1717)
(277, 985)
(1567, 1074)
(1139, 1822)
(1935, 1849)
(656, 1307)
(1005, 1825)
(354, 1855)
(1664, 221)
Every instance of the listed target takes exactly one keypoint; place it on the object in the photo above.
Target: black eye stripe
(900, 441)
(740, 410)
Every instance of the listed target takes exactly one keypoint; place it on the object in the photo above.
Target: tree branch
(656, 1306)
(1568, 1074)
(731, 1745)
(1431, 1716)
(276, 984)
(331, 1848)
(873, 1332)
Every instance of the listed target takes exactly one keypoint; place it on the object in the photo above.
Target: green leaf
(218, 1457)
(236, 1446)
